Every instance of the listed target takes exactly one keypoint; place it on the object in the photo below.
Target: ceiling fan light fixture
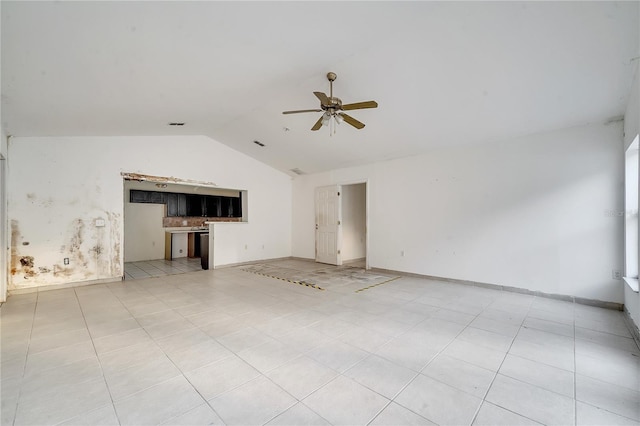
(333, 108)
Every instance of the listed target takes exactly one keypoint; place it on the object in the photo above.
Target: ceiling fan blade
(301, 110)
(323, 98)
(355, 123)
(318, 123)
(360, 105)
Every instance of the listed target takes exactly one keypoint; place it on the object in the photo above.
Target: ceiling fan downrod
(331, 76)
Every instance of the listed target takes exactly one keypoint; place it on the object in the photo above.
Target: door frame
(366, 182)
(4, 232)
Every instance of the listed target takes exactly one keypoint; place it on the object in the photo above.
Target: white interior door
(328, 221)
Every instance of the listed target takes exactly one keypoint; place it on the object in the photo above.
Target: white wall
(58, 187)
(354, 217)
(533, 213)
(144, 235)
(632, 114)
(631, 129)
(3, 212)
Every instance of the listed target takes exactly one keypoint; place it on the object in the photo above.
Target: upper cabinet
(137, 196)
(190, 205)
(195, 205)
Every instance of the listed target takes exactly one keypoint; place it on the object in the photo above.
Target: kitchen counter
(187, 230)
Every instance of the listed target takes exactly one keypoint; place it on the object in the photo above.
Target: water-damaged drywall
(88, 248)
(66, 202)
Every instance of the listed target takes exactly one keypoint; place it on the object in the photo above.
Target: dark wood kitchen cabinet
(176, 204)
(194, 205)
(156, 197)
(172, 205)
(139, 196)
(213, 206)
(136, 196)
(153, 197)
(190, 205)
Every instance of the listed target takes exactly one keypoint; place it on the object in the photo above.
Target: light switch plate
(99, 222)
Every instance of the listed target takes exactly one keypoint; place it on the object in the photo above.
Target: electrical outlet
(616, 274)
(66, 260)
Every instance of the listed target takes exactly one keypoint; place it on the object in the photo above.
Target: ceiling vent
(297, 171)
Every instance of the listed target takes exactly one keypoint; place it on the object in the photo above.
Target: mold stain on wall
(115, 239)
(95, 250)
(79, 265)
(15, 236)
(27, 266)
(35, 201)
(21, 265)
(57, 236)
(93, 253)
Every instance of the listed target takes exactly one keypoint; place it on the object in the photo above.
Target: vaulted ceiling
(443, 73)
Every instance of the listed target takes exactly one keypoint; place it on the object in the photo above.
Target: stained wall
(66, 201)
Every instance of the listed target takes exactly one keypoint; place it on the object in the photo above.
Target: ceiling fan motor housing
(334, 103)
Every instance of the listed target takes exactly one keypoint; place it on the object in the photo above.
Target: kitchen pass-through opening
(166, 219)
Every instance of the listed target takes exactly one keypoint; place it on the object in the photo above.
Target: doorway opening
(154, 246)
(167, 223)
(341, 224)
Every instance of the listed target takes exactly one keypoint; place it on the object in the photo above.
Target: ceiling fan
(333, 108)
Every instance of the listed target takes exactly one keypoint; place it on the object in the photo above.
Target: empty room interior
(319, 213)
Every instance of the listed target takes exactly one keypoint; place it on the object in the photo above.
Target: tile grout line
(26, 359)
(154, 342)
(418, 373)
(428, 363)
(339, 374)
(171, 361)
(97, 358)
(146, 287)
(297, 401)
(513, 339)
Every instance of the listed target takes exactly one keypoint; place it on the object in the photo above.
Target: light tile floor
(230, 347)
(160, 268)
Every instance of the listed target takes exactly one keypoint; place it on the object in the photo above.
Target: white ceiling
(443, 73)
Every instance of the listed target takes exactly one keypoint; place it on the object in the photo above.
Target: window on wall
(632, 162)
